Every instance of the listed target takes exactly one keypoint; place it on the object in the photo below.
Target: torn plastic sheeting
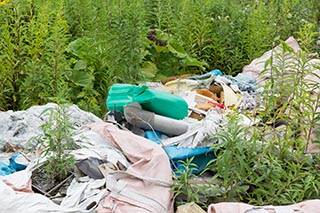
(28, 202)
(249, 100)
(214, 72)
(16, 195)
(258, 65)
(93, 145)
(84, 187)
(310, 206)
(244, 82)
(138, 117)
(90, 167)
(5, 169)
(20, 126)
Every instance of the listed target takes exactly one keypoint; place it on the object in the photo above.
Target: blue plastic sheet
(201, 156)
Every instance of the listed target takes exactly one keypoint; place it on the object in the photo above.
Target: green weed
(56, 140)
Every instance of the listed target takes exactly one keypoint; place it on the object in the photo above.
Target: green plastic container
(161, 103)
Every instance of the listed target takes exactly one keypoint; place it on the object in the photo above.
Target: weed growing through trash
(268, 164)
(248, 169)
(56, 140)
(183, 188)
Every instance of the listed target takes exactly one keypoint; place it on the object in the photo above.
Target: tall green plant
(226, 51)
(33, 40)
(57, 141)
(14, 18)
(260, 172)
(184, 189)
(54, 57)
(259, 32)
(195, 28)
(127, 40)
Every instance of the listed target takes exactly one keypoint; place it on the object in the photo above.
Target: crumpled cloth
(244, 82)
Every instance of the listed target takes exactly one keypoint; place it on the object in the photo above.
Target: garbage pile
(115, 170)
(182, 114)
(126, 162)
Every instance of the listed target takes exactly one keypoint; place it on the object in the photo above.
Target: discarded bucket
(159, 102)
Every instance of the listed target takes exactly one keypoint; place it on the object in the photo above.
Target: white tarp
(18, 127)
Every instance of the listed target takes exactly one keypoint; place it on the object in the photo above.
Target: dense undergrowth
(72, 51)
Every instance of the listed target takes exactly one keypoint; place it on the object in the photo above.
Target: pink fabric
(310, 206)
(148, 159)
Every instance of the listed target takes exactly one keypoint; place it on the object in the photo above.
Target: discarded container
(201, 156)
(161, 103)
(150, 120)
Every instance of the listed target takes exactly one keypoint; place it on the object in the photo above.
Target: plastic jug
(159, 102)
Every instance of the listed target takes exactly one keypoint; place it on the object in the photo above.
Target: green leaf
(80, 65)
(149, 69)
(82, 78)
(80, 46)
(161, 48)
(177, 50)
(194, 63)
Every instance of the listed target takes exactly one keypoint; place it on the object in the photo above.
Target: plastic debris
(138, 117)
(231, 99)
(17, 161)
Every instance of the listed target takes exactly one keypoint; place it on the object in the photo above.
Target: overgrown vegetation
(267, 163)
(72, 51)
(75, 50)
